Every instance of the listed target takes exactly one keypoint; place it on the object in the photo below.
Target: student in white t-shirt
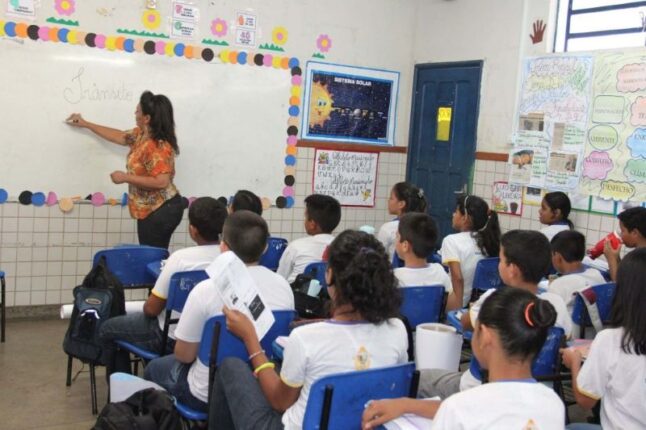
(361, 334)
(524, 260)
(206, 217)
(614, 370)
(404, 198)
(511, 329)
(554, 212)
(568, 250)
(479, 237)
(322, 216)
(632, 224)
(245, 233)
(416, 237)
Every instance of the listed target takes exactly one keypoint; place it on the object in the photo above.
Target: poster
(614, 165)
(21, 8)
(349, 104)
(185, 20)
(350, 177)
(507, 198)
(533, 196)
(528, 159)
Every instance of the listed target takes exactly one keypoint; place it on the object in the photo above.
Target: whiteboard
(231, 120)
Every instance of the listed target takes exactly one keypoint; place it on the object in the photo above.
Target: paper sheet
(133, 307)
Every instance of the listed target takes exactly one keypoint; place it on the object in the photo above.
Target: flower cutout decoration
(151, 19)
(219, 27)
(65, 7)
(324, 43)
(279, 35)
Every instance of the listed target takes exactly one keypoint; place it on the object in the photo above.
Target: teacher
(153, 199)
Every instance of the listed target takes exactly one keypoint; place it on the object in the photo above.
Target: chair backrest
(604, 294)
(128, 263)
(317, 271)
(486, 275)
(181, 284)
(337, 401)
(275, 248)
(422, 304)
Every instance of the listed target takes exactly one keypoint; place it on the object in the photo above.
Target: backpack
(148, 409)
(309, 306)
(99, 298)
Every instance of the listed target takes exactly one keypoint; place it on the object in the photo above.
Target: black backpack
(309, 307)
(148, 409)
(99, 298)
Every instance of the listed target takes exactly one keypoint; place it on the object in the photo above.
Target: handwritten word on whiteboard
(349, 177)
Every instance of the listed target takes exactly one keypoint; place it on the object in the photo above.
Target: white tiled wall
(45, 252)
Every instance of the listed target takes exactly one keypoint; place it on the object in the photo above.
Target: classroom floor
(33, 394)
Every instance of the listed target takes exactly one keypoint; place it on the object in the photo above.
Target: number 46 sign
(245, 37)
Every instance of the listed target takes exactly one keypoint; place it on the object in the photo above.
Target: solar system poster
(349, 104)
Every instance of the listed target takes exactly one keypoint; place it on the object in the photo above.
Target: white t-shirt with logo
(462, 248)
(563, 320)
(567, 285)
(320, 349)
(300, 253)
(618, 379)
(521, 405)
(432, 274)
(388, 235)
(205, 302)
(182, 260)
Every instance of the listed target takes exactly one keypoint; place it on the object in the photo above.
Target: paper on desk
(409, 422)
(238, 291)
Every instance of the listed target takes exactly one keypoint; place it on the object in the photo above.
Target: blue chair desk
(154, 268)
(454, 320)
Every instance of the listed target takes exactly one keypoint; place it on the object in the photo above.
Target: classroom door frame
(442, 212)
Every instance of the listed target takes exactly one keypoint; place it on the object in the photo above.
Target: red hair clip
(528, 319)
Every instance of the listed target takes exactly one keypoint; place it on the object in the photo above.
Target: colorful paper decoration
(324, 43)
(38, 199)
(219, 27)
(52, 198)
(279, 35)
(3, 195)
(65, 7)
(151, 19)
(97, 199)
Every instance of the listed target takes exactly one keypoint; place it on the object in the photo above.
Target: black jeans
(158, 227)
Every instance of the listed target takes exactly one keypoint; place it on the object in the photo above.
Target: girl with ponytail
(554, 212)
(478, 237)
(362, 333)
(511, 329)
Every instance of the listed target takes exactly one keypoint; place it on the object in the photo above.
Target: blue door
(442, 146)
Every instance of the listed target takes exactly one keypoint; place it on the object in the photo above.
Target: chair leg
(68, 381)
(93, 389)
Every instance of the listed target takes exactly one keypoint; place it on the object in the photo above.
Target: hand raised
(539, 30)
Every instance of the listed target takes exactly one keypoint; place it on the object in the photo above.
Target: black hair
(412, 196)
(162, 122)
(634, 218)
(521, 320)
(570, 244)
(246, 234)
(630, 301)
(363, 276)
(207, 215)
(484, 223)
(420, 231)
(246, 200)
(324, 211)
(558, 200)
(530, 251)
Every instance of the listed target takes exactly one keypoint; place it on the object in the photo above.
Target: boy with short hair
(182, 374)
(524, 260)
(632, 223)
(568, 250)
(415, 241)
(322, 216)
(206, 217)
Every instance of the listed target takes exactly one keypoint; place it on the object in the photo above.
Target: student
(554, 211)
(245, 233)
(615, 368)
(511, 329)
(568, 250)
(416, 236)
(404, 198)
(206, 217)
(246, 200)
(322, 215)
(478, 237)
(632, 223)
(363, 333)
(524, 260)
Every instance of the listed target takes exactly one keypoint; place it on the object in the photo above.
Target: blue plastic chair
(3, 306)
(219, 343)
(486, 277)
(181, 284)
(604, 295)
(455, 321)
(275, 248)
(317, 271)
(337, 401)
(128, 263)
(422, 304)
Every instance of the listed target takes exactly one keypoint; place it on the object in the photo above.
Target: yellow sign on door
(443, 123)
